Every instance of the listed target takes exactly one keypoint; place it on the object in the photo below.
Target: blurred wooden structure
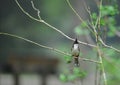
(42, 65)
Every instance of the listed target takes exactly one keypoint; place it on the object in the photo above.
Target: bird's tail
(76, 61)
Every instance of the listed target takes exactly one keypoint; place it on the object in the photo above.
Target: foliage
(112, 66)
(98, 26)
(108, 21)
(68, 59)
(80, 31)
(77, 73)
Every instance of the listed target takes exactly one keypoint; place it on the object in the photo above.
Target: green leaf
(109, 10)
(112, 30)
(84, 24)
(94, 16)
(79, 31)
(109, 52)
(76, 70)
(110, 34)
(102, 22)
(79, 73)
(63, 77)
(68, 59)
(104, 11)
(111, 21)
(71, 77)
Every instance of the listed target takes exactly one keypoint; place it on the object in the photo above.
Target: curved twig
(80, 18)
(47, 24)
(46, 47)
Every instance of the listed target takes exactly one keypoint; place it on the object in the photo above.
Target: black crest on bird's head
(76, 41)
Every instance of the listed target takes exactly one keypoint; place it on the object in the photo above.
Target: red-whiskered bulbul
(75, 52)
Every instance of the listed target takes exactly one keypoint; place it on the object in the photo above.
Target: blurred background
(23, 63)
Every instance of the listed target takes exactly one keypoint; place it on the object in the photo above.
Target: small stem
(30, 41)
(102, 71)
(47, 24)
(80, 18)
(38, 11)
(99, 83)
(102, 67)
(85, 59)
(43, 46)
(96, 73)
(67, 36)
(26, 12)
(111, 47)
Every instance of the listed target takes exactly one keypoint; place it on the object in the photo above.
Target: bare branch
(87, 44)
(102, 65)
(80, 18)
(38, 11)
(27, 12)
(46, 47)
(42, 21)
(30, 41)
(85, 59)
(74, 11)
(87, 8)
(47, 24)
(98, 38)
(111, 47)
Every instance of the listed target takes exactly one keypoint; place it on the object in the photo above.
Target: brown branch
(46, 47)
(47, 24)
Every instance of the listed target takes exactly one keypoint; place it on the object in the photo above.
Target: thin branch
(85, 59)
(102, 71)
(30, 41)
(47, 24)
(87, 8)
(68, 36)
(97, 20)
(80, 18)
(108, 59)
(96, 74)
(38, 11)
(98, 38)
(27, 12)
(89, 39)
(102, 67)
(107, 46)
(46, 47)
(92, 23)
(111, 47)
(87, 44)
(74, 11)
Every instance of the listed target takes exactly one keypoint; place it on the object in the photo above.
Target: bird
(75, 52)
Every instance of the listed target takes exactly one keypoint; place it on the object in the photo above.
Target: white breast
(75, 46)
